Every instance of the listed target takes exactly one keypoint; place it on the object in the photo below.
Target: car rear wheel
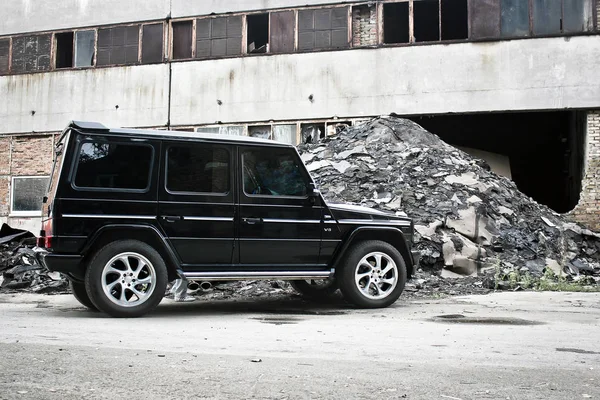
(78, 290)
(315, 289)
(126, 279)
(373, 275)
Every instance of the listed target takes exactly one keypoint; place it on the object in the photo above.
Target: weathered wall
(48, 101)
(537, 74)
(42, 15)
(588, 209)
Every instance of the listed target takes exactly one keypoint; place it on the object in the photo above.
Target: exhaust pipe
(193, 286)
(206, 285)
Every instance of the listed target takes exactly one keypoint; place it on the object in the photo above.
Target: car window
(110, 165)
(197, 169)
(270, 172)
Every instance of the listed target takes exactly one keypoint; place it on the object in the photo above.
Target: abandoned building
(512, 81)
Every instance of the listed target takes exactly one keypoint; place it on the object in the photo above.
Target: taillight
(45, 239)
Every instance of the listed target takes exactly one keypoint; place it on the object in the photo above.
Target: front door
(279, 225)
(196, 208)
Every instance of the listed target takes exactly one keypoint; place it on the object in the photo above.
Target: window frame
(8, 69)
(348, 7)
(30, 213)
(230, 182)
(139, 44)
(77, 158)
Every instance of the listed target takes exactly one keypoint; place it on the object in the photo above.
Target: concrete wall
(140, 92)
(184, 8)
(536, 74)
(42, 15)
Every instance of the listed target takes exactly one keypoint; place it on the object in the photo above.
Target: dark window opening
(114, 166)
(364, 25)
(85, 42)
(182, 40)
(118, 45)
(64, 50)
(31, 53)
(152, 43)
(270, 172)
(283, 33)
(455, 20)
(427, 20)
(325, 28)
(514, 18)
(218, 37)
(395, 23)
(541, 151)
(4, 52)
(258, 33)
(312, 133)
(198, 169)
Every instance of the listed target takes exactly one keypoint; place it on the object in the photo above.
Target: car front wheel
(373, 275)
(126, 279)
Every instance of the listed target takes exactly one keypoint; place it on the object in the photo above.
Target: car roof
(95, 127)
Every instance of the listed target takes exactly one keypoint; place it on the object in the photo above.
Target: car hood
(349, 211)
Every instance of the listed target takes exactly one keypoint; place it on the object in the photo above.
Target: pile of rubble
(19, 268)
(468, 219)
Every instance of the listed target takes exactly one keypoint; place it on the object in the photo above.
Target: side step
(250, 275)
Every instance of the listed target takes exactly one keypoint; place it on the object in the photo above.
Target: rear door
(279, 225)
(196, 204)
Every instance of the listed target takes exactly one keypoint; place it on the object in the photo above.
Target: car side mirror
(313, 193)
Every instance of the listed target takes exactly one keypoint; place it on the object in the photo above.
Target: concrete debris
(19, 266)
(468, 219)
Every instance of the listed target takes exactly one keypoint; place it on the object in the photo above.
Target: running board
(249, 275)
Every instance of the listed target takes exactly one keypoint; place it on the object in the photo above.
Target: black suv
(128, 211)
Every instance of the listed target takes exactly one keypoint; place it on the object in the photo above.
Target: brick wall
(588, 210)
(364, 25)
(22, 156)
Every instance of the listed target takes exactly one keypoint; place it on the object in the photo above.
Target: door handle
(252, 221)
(171, 218)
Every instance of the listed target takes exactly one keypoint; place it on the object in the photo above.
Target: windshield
(59, 151)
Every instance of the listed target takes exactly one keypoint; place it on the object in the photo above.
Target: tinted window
(114, 166)
(27, 193)
(198, 169)
(273, 173)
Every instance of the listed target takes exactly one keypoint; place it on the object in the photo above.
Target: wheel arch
(144, 233)
(391, 235)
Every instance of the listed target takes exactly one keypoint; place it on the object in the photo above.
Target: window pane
(84, 48)
(182, 40)
(546, 16)
(118, 45)
(152, 43)
(485, 18)
(28, 194)
(4, 48)
(31, 53)
(114, 166)
(198, 170)
(515, 18)
(578, 15)
(271, 172)
(285, 133)
(212, 130)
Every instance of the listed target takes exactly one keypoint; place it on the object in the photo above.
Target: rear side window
(270, 172)
(198, 169)
(109, 165)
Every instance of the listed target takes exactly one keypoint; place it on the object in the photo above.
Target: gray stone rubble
(469, 221)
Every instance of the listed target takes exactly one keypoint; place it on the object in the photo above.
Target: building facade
(514, 78)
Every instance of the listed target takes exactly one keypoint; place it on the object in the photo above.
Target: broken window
(578, 16)
(364, 25)
(84, 48)
(283, 33)
(64, 49)
(235, 130)
(455, 19)
(27, 193)
(395, 23)
(198, 169)
(31, 53)
(547, 16)
(312, 133)
(260, 131)
(182, 40)
(323, 28)
(335, 128)
(514, 18)
(152, 43)
(426, 14)
(218, 37)
(485, 18)
(118, 45)
(285, 133)
(4, 55)
(258, 33)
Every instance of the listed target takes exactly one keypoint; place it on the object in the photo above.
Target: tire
(126, 279)
(364, 280)
(78, 290)
(315, 289)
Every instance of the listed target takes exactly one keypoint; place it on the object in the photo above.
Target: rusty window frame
(172, 38)
(331, 7)
(227, 37)
(378, 26)
(162, 43)
(245, 31)
(98, 29)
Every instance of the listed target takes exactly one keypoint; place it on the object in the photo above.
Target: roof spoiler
(88, 126)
